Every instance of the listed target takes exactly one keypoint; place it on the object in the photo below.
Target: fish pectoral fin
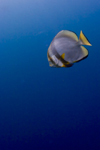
(63, 56)
(83, 39)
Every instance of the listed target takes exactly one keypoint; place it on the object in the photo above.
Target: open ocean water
(43, 108)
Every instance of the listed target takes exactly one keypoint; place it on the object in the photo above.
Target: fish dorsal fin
(63, 56)
(83, 39)
(66, 33)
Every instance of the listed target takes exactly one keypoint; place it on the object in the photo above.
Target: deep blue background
(43, 108)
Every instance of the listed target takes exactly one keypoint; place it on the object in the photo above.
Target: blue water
(43, 108)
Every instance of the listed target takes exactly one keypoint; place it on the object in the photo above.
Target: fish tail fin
(83, 39)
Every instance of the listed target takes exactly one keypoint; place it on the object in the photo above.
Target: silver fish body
(66, 49)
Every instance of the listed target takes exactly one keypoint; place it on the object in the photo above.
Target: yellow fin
(63, 56)
(71, 35)
(67, 33)
(85, 51)
(84, 54)
(63, 65)
(83, 39)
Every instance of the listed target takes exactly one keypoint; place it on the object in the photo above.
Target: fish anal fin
(83, 39)
(84, 54)
(85, 51)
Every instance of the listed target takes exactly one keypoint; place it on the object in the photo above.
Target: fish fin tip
(83, 39)
(63, 66)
